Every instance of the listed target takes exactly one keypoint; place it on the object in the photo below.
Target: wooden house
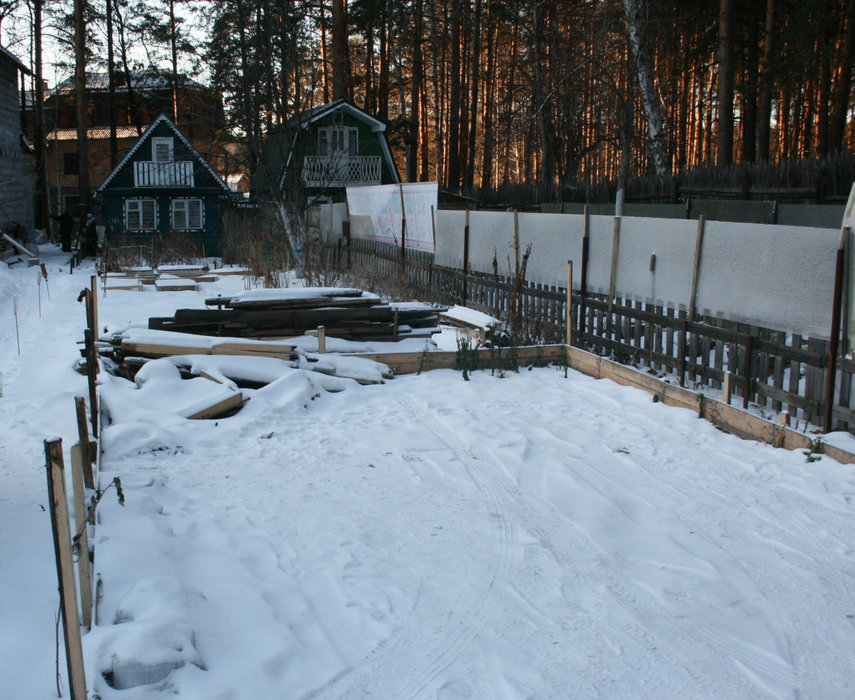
(162, 188)
(16, 194)
(318, 153)
(135, 100)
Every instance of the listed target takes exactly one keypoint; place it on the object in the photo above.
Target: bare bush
(257, 242)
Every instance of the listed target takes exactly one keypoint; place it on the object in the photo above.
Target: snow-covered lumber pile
(344, 313)
(246, 362)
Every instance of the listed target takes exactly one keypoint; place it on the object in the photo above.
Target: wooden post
(59, 519)
(613, 274)
(78, 460)
(583, 282)
(465, 259)
(403, 235)
(345, 230)
(569, 319)
(92, 374)
(322, 340)
(831, 378)
(93, 300)
(746, 370)
(690, 317)
(699, 243)
(83, 438)
(727, 387)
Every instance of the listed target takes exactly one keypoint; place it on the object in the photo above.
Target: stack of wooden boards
(279, 313)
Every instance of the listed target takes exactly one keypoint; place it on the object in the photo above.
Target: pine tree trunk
(764, 109)
(725, 83)
(339, 51)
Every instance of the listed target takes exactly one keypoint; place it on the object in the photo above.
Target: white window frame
(182, 214)
(159, 141)
(135, 214)
(338, 141)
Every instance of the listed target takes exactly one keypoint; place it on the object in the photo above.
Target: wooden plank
(218, 408)
(59, 517)
(411, 363)
(84, 571)
(730, 418)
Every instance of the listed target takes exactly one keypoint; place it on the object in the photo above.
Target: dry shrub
(257, 242)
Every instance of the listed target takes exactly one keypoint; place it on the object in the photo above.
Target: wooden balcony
(151, 173)
(341, 171)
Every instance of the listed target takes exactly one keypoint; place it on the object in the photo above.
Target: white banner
(382, 204)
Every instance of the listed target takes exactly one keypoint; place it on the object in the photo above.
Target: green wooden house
(163, 188)
(318, 153)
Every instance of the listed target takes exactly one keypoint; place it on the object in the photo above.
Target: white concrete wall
(781, 277)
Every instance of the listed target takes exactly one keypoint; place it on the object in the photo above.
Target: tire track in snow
(368, 679)
(569, 544)
(779, 668)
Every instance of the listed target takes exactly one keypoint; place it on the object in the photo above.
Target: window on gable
(338, 140)
(187, 214)
(140, 214)
(162, 148)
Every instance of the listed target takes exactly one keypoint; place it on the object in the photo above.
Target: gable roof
(146, 135)
(313, 114)
(14, 59)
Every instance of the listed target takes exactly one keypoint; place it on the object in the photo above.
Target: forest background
(557, 95)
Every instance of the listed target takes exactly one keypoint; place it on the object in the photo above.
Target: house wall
(114, 220)
(16, 188)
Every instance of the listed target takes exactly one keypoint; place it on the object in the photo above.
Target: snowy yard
(531, 536)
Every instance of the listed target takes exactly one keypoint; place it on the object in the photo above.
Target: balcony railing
(151, 173)
(341, 170)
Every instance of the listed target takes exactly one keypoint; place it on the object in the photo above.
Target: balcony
(341, 171)
(152, 173)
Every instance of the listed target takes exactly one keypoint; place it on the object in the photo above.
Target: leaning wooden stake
(83, 437)
(78, 469)
(65, 568)
(92, 376)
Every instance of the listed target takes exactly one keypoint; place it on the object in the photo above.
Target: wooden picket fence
(770, 370)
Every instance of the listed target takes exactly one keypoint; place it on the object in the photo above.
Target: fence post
(466, 259)
(59, 518)
(403, 236)
(613, 274)
(831, 378)
(699, 242)
(569, 319)
(583, 282)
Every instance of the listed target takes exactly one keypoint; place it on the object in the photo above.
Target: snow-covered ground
(528, 536)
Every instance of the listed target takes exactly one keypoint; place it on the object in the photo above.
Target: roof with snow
(161, 121)
(139, 80)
